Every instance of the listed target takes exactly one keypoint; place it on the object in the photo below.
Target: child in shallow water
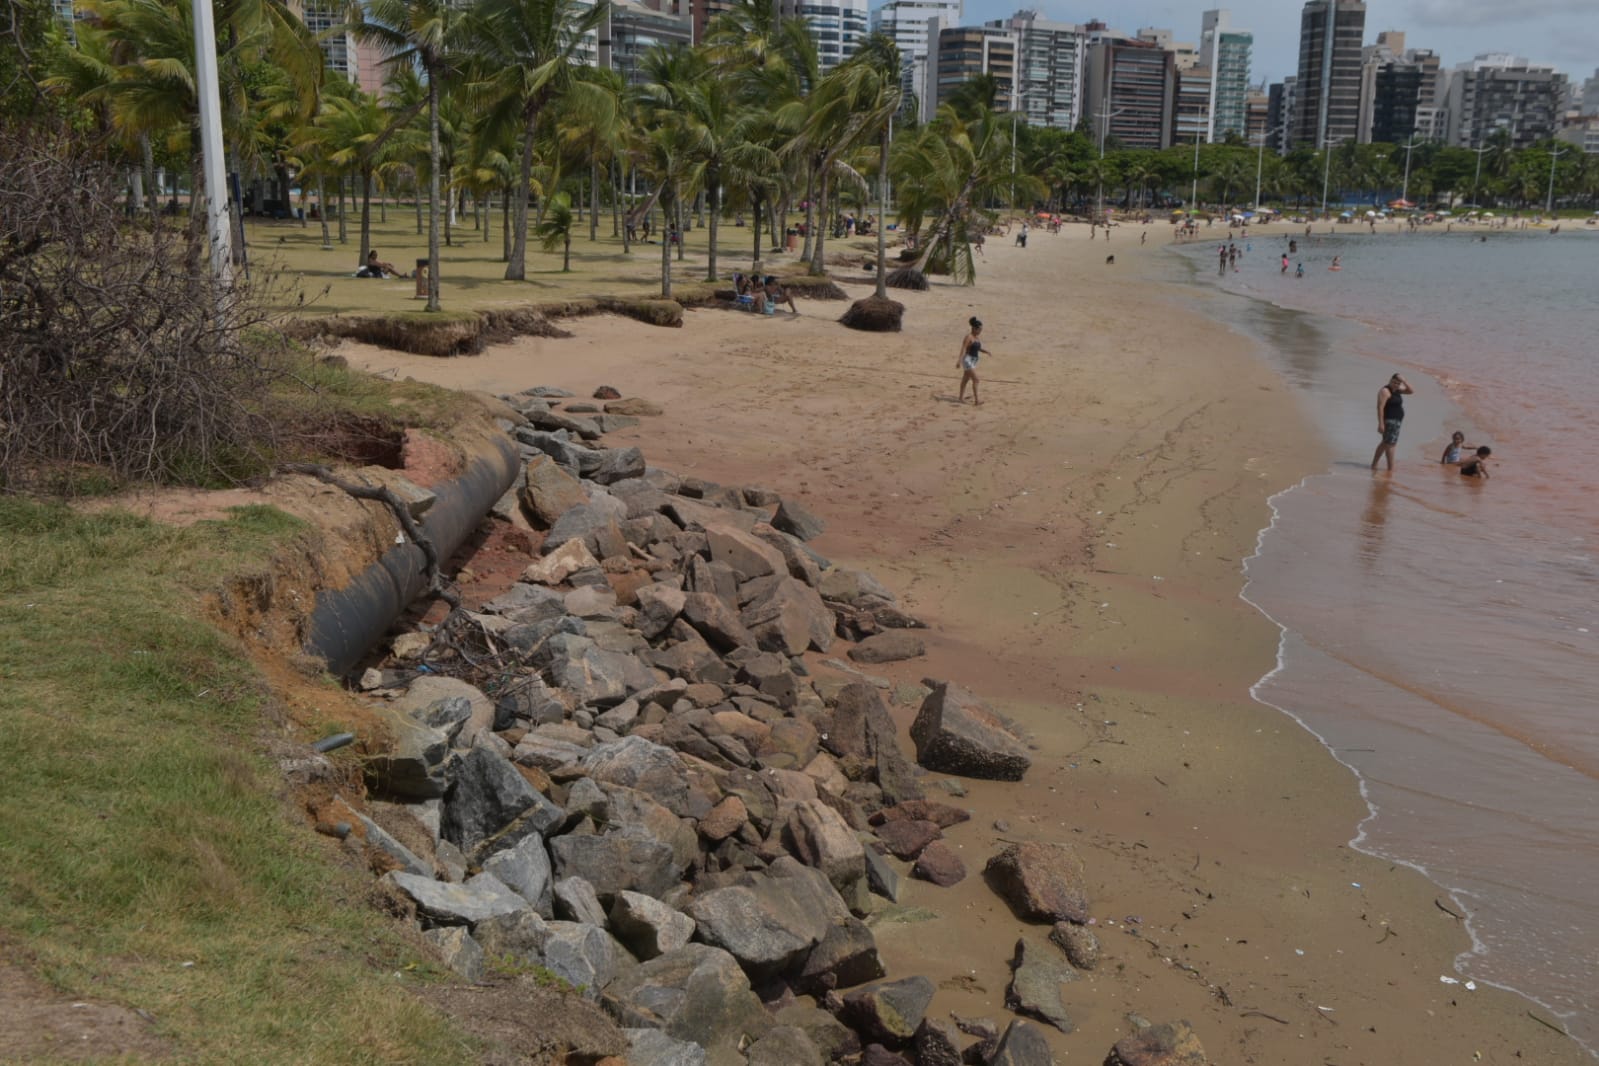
(1477, 467)
(1452, 452)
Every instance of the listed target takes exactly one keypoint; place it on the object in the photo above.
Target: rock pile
(656, 801)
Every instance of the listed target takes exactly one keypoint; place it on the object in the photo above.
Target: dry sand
(1076, 544)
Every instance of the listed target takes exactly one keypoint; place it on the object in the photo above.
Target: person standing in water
(1390, 416)
(966, 361)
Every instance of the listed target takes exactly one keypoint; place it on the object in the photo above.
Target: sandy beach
(1076, 545)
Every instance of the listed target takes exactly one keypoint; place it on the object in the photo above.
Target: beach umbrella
(1400, 203)
(1347, 214)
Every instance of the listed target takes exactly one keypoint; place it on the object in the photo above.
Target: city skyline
(1559, 33)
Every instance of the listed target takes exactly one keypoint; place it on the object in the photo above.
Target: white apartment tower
(905, 23)
(1225, 50)
(837, 26)
(1049, 62)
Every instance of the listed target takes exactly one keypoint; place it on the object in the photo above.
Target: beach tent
(1400, 203)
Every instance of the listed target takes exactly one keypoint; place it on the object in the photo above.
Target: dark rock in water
(442, 903)
(647, 926)
(889, 646)
(1167, 1044)
(1078, 942)
(939, 864)
(891, 1011)
(1042, 882)
(847, 956)
(607, 392)
(490, 805)
(1022, 1045)
(937, 1044)
(796, 521)
(955, 732)
(905, 839)
(1036, 976)
(697, 993)
(784, 1046)
(628, 858)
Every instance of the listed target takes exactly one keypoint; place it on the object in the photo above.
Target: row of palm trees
(493, 101)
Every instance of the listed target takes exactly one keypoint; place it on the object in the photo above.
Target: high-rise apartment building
(1399, 91)
(1257, 109)
(962, 53)
(1049, 74)
(1225, 51)
(1191, 114)
(632, 29)
(1501, 92)
(905, 23)
(1129, 90)
(1588, 102)
(1327, 91)
(837, 26)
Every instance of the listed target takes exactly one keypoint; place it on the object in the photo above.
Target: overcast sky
(1562, 33)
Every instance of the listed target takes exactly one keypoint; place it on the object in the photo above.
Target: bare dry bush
(118, 350)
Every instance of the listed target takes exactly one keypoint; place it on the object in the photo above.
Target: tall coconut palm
(348, 134)
(423, 33)
(524, 60)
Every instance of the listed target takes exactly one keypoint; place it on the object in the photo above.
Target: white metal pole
(1404, 192)
(208, 91)
(1193, 197)
(1549, 205)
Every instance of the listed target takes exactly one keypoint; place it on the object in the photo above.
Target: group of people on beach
(1473, 462)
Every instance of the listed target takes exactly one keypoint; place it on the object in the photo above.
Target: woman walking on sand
(971, 348)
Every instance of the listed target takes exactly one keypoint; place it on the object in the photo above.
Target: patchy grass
(145, 854)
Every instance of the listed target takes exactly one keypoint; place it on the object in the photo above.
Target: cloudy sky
(1563, 33)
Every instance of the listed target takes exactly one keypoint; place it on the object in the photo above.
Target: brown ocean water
(1441, 634)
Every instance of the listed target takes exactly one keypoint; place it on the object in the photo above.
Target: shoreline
(1224, 838)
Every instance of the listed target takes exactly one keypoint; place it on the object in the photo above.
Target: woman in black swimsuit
(1390, 415)
(966, 361)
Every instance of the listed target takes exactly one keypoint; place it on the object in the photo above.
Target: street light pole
(1104, 127)
(1326, 174)
(1404, 192)
(1260, 160)
(1193, 198)
(1478, 175)
(206, 90)
(1554, 154)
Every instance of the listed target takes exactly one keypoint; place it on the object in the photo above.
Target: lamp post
(1326, 173)
(1260, 160)
(1478, 175)
(207, 92)
(1409, 146)
(1193, 197)
(1104, 127)
(1554, 154)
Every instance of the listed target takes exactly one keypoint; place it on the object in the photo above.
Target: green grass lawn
(146, 856)
(472, 276)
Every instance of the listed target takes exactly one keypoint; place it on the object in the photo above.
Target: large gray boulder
(625, 859)
(796, 521)
(549, 491)
(596, 523)
(890, 1011)
(790, 618)
(1037, 974)
(853, 587)
(821, 838)
(458, 951)
(647, 926)
(863, 736)
(490, 805)
(748, 555)
(697, 992)
(442, 903)
(584, 956)
(717, 622)
(768, 922)
(785, 1045)
(1022, 1044)
(1042, 882)
(617, 464)
(1166, 1044)
(845, 957)
(637, 763)
(524, 868)
(592, 675)
(956, 733)
(652, 1047)
(576, 901)
(889, 646)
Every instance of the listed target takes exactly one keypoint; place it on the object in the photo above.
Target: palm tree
(420, 32)
(348, 136)
(555, 228)
(881, 56)
(525, 52)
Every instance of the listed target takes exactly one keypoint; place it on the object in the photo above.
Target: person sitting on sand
(375, 268)
(1477, 467)
(1457, 443)
(776, 295)
(966, 361)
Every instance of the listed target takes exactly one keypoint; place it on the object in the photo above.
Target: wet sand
(1076, 544)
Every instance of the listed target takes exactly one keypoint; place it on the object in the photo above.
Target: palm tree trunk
(941, 230)
(615, 182)
(714, 195)
(383, 207)
(485, 213)
(433, 190)
(755, 258)
(505, 224)
(821, 219)
(882, 216)
(147, 163)
(666, 260)
(680, 215)
(516, 269)
(810, 213)
(366, 215)
(566, 254)
(594, 200)
(449, 218)
(322, 211)
(344, 230)
(418, 201)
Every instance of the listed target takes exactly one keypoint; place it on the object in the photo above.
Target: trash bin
(421, 279)
(791, 238)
